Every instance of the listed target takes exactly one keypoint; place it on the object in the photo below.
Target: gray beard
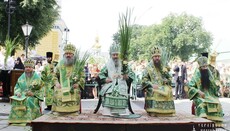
(116, 62)
(68, 62)
(29, 74)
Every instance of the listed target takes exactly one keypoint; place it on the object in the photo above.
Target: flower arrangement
(78, 75)
(125, 33)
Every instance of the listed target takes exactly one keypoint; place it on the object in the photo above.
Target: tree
(181, 35)
(137, 46)
(41, 14)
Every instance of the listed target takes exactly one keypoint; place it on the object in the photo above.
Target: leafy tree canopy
(41, 14)
(181, 35)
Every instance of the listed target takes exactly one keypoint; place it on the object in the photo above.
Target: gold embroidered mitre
(212, 58)
(156, 51)
(29, 62)
(69, 48)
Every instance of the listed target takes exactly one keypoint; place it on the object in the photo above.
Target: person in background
(156, 82)
(38, 67)
(5, 71)
(28, 94)
(1, 58)
(87, 73)
(94, 73)
(226, 90)
(180, 78)
(203, 90)
(19, 65)
(176, 77)
(47, 75)
(23, 57)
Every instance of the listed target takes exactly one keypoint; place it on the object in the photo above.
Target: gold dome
(97, 45)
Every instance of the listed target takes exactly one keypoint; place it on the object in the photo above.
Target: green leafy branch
(165, 57)
(10, 46)
(78, 72)
(125, 31)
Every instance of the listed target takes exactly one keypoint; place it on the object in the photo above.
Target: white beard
(113, 68)
(68, 62)
(116, 62)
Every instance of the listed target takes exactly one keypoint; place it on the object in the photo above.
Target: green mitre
(202, 61)
(114, 48)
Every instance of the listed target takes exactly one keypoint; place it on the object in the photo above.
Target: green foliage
(140, 41)
(184, 35)
(165, 57)
(80, 62)
(41, 14)
(78, 74)
(10, 45)
(181, 35)
(125, 32)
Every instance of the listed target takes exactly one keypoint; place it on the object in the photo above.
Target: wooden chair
(100, 97)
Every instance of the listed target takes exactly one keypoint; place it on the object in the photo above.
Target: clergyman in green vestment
(156, 82)
(203, 90)
(47, 77)
(114, 91)
(27, 96)
(67, 91)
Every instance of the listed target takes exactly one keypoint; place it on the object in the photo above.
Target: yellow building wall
(49, 43)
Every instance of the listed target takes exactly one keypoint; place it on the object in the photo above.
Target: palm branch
(165, 57)
(125, 32)
(78, 72)
(10, 45)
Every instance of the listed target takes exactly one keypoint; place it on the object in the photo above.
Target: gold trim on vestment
(161, 114)
(153, 110)
(73, 108)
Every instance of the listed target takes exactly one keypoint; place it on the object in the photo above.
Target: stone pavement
(138, 104)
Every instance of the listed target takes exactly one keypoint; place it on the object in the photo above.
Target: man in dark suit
(180, 78)
(183, 79)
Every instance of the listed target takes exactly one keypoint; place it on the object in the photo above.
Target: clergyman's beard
(68, 61)
(157, 64)
(116, 62)
(28, 74)
(205, 82)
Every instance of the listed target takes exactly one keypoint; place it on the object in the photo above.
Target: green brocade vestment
(24, 109)
(114, 94)
(208, 107)
(47, 77)
(64, 100)
(158, 102)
